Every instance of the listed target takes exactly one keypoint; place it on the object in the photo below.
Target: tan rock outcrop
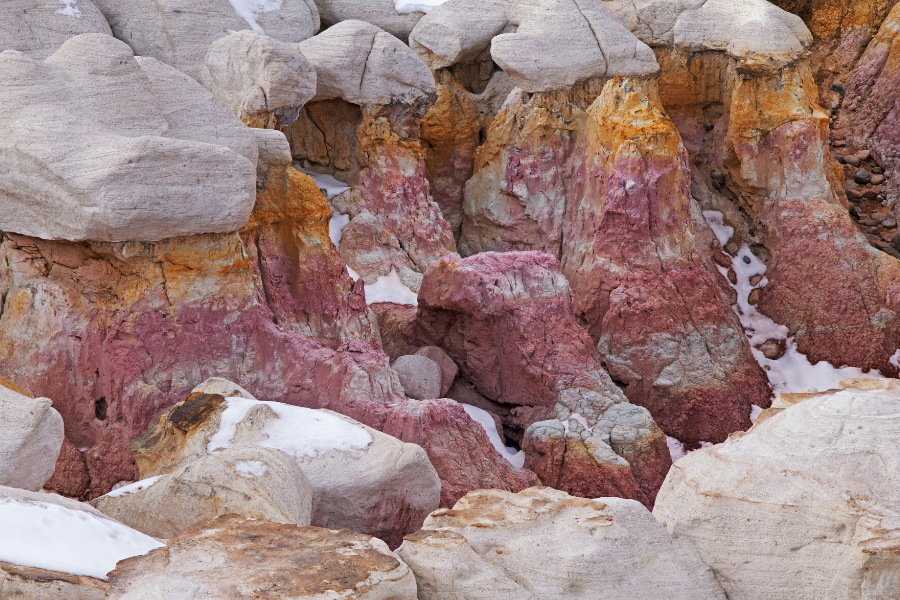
(31, 435)
(19, 583)
(235, 557)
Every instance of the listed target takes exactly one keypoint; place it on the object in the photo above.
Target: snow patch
(389, 288)
(250, 468)
(895, 359)
(55, 538)
(405, 7)
(70, 9)
(301, 432)
(132, 488)
(755, 411)
(793, 371)
(251, 10)
(676, 448)
(484, 418)
(330, 186)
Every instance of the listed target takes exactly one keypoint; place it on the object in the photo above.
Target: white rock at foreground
(31, 434)
(96, 144)
(46, 531)
(235, 558)
(803, 506)
(542, 544)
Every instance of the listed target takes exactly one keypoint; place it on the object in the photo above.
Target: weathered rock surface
(31, 435)
(263, 81)
(420, 376)
(361, 479)
(493, 314)
(804, 505)
(641, 287)
(542, 543)
(553, 44)
(18, 583)
(235, 557)
(381, 13)
(101, 145)
(449, 369)
(180, 35)
(260, 483)
(39, 27)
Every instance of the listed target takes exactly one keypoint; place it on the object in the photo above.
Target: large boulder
(804, 505)
(265, 82)
(260, 483)
(101, 145)
(40, 584)
(234, 557)
(52, 533)
(420, 376)
(39, 27)
(544, 544)
(382, 13)
(31, 435)
(361, 478)
(179, 33)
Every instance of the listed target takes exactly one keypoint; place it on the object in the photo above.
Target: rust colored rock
(17, 582)
(233, 557)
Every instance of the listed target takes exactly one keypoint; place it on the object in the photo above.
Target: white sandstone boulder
(361, 478)
(263, 81)
(420, 376)
(804, 505)
(381, 13)
(542, 544)
(39, 27)
(31, 434)
(261, 483)
(98, 144)
(179, 32)
(360, 63)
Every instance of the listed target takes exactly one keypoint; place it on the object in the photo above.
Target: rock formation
(802, 505)
(31, 435)
(27, 582)
(255, 482)
(381, 13)
(39, 27)
(234, 557)
(494, 545)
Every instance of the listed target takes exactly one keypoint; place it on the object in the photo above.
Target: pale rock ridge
(260, 483)
(381, 13)
(754, 30)
(804, 505)
(542, 45)
(101, 145)
(28, 582)
(31, 435)
(39, 27)
(179, 33)
(265, 82)
(361, 64)
(542, 544)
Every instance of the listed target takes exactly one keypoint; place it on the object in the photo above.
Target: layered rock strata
(39, 27)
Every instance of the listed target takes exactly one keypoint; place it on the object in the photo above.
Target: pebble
(877, 179)
(755, 279)
(889, 223)
(878, 170)
(868, 222)
(753, 298)
(852, 160)
(747, 260)
(862, 177)
(863, 155)
(732, 276)
(870, 194)
(839, 143)
(839, 158)
(854, 194)
(872, 231)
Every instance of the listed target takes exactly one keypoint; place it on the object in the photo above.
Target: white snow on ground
(251, 468)
(55, 538)
(484, 418)
(301, 432)
(70, 9)
(793, 371)
(389, 288)
(404, 7)
(132, 488)
(250, 10)
(677, 450)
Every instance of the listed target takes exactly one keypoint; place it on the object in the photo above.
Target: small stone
(420, 377)
(851, 160)
(862, 177)
(854, 194)
(854, 211)
(877, 170)
(753, 298)
(870, 194)
(849, 185)
(877, 179)
(732, 276)
(449, 369)
(755, 279)
(747, 260)
(838, 87)
(839, 143)
(868, 222)
(880, 198)
(773, 349)
(889, 223)
(873, 231)
(718, 179)
(839, 158)
(863, 155)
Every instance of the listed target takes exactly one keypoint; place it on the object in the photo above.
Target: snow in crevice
(251, 10)
(677, 449)
(389, 288)
(133, 488)
(48, 536)
(793, 371)
(69, 9)
(486, 420)
(405, 7)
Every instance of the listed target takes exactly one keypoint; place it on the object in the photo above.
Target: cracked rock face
(544, 544)
(381, 13)
(39, 27)
(542, 45)
(235, 557)
(804, 505)
(101, 145)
